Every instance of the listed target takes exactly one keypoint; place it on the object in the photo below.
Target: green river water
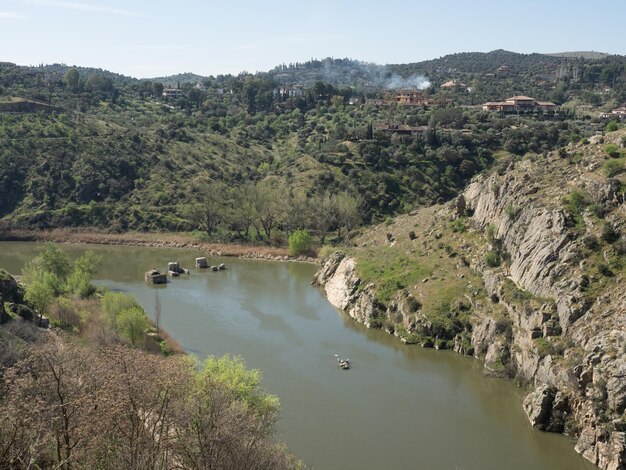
(399, 407)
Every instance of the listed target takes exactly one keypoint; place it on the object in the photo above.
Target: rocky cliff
(525, 271)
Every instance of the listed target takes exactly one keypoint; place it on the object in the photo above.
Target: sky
(150, 38)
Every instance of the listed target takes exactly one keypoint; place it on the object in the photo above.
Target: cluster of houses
(617, 113)
(520, 104)
(290, 91)
(411, 97)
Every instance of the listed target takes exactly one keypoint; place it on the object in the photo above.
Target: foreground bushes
(67, 406)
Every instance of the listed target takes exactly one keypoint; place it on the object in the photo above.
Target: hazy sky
(147, 38)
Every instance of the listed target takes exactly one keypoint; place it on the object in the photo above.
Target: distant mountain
(480, 62)
(581, 54)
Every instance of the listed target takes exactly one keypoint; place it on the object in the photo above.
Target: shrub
(612, 126)
(613, 167)
(492, 258)
(609, 233)
(457, 225)
(611, 150)
(300, 243)
(574, 203)
(512, 212)
(67, 314)
(114, 302)
(544, 347)
(605, 270)
(591, 242)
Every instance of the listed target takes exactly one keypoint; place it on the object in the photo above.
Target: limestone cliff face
(562, 324)
(585, 387)
(341, 282)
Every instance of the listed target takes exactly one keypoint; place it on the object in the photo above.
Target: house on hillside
(503, 70)
(452, 84)
(617, 113)
(291, 91)
(520, 104)
(410, 97)
(172, 93)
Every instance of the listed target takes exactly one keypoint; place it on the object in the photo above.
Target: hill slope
(522, 273)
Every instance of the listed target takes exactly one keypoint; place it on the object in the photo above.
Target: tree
(196, 96)
(348, 210)
(132, 323)
(39, 293)
(323, 212)
(54, 261)
(268, 206)
(210, 209)
(71, 78)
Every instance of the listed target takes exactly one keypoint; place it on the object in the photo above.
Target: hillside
(89, 148)
(582, 54)
(522, 273)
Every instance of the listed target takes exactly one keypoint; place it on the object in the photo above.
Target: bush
(611, 150)
(544, 347)
(300, 243)
(114, 302)
(67, 314)
(609, 233)
(458, 225)
(613, 167)
(612, 126)
(492, 259)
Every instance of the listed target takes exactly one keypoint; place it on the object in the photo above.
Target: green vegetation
(574, 203)
(114, 154)
(614, 167)
(611, 150)
(390, 270)
(612, 126)
(492, 258)
(300, 243)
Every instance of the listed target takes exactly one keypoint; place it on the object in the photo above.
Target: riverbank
(171, 240)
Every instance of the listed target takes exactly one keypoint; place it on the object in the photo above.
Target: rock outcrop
(560, 326)
(343, 288)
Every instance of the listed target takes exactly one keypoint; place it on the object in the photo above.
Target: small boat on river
(343, 363)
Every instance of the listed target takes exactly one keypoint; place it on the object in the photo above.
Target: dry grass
(178, 240)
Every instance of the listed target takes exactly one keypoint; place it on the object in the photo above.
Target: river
(399, 407)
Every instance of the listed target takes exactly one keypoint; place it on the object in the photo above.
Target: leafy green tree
(79, 282)
(54, 261)
(114, 302)
(244, 383)
(39, 292)
(300, 242)
(71, 78)
(132, 323)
